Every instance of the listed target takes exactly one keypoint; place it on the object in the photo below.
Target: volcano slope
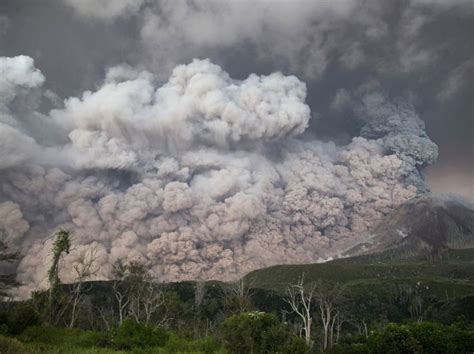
(424, 227)
(427, 241)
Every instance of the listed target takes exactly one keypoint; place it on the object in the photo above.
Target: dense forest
(355, 305)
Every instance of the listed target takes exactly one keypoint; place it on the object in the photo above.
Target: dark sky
(420, 51)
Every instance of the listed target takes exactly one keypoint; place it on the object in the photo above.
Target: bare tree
(300, 299)
(106, 314)
(412, 297)
(121, 290)
(147, 298)
(123, 300)
(327, 297)
(199, 293)
(85, 269)
(238, 295)
(138, 295)
(336, 326)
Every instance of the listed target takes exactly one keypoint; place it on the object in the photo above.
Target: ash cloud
(206, 174)
(201, 177)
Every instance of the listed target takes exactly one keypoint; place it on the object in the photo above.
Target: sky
(421, 48)
(285, 100)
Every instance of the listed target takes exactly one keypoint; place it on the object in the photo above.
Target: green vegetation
(354, 305)
(425, 337)
(454, 273)
(259, 332)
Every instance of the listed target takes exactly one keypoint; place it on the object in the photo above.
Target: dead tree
(147, 298)
(238, 295)
(327, 296)
(85, 269)
(336, 326)
(300, 299)
(121, 294)
(138, 295)
(121, 290)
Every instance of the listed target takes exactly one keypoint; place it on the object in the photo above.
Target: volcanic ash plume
(204, 177)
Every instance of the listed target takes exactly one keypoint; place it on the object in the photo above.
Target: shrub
(94, 339)
(22, 316)
(431, 336)
(177, 344)
(459, 340)
(422, 337)
(12, 346)
(395, 340)
(48, 334)
(71, 336)
(256, 332)
(132, 334)
(296, 345)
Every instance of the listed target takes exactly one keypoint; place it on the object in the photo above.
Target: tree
(238, 296)
(131, 334)
(300, 299)
(138, 295)
(395, 339)
(258, 332)
(61, 245)
(146, 299)
(121, 290)
(7, 280)
(368, 307)
(328, 296)
(86, 267)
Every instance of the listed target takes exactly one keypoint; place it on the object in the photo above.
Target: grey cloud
(107, 10)
(204, 176)
(207, 177)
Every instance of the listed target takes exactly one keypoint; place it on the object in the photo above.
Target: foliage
(196, 315)
(12, 346)
(256, 332)
(70, 336)
(422, 337)
(132, 334)
(61, 244)
(395, 340)
(176, 344)
(452, 276)
(25, 315)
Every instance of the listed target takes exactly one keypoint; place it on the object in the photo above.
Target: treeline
(136, 313)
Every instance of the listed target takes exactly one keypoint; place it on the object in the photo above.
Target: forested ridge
(354, 305)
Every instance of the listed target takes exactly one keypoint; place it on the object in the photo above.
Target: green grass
(46, 339)
(10, 345)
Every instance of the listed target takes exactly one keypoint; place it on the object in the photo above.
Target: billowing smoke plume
(203, 177)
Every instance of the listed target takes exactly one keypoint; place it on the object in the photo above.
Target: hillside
(451, 276)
